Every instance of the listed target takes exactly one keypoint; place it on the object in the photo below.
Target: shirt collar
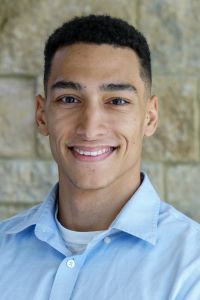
(139, 216)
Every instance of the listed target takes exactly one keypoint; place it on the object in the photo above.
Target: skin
(96, 100)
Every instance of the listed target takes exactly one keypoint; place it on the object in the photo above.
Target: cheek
(61, 120)
(58, 135)
(59, 123)
(131, 129)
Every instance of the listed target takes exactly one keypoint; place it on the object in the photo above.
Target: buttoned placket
(66, 277)
(69, 270)
(70, 267)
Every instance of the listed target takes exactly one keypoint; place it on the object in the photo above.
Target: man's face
(96, 115)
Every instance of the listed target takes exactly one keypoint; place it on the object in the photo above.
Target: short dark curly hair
(98, 29)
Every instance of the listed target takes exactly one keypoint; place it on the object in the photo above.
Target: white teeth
(92, 153)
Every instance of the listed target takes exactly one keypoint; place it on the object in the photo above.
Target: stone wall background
(171, 157)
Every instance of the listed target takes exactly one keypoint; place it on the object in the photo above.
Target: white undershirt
(76, 241)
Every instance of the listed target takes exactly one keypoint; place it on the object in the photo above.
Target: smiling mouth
(92, 154)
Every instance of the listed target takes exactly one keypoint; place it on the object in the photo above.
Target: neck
(93, 210)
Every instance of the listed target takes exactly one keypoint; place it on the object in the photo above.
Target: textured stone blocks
(43, 147)
(183, 188)
(8, 210)
(155, 172)
(177, 135)
(27, 24)
(26, 181)
(172, 29)
(16, 117)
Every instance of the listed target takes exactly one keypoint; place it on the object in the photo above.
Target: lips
(92, 153)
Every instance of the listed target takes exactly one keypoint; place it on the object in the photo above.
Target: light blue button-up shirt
(150, 252)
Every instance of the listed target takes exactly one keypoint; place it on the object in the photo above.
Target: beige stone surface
(43, 147)
(25, 26)
(26, 181)
(172, 28)
(177, 135)
(155, 172)
(183, 189)
(17, 117)
(9, 210)
(39, 85)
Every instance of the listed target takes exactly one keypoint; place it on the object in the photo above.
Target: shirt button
(107, 240)
(71, 263)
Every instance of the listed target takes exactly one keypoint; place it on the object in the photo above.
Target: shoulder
(177, 223)
(30, 216)
(22, 219)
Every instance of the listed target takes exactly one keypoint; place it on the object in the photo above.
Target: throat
(93, 210)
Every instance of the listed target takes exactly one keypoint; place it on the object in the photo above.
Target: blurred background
(171, 157)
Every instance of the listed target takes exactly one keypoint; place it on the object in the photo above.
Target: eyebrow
(118, 87)
(62, 84)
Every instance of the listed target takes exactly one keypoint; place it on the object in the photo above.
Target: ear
(40, 115)
(151, 119)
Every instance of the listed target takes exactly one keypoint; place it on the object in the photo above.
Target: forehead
(95, 63)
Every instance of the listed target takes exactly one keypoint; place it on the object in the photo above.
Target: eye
(119, 101)
(68, 100)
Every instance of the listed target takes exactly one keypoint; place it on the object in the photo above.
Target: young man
(102, 232)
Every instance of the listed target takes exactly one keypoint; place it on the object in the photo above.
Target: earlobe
(40, 115)
(151, 116)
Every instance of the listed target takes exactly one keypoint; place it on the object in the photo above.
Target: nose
(91, 123)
